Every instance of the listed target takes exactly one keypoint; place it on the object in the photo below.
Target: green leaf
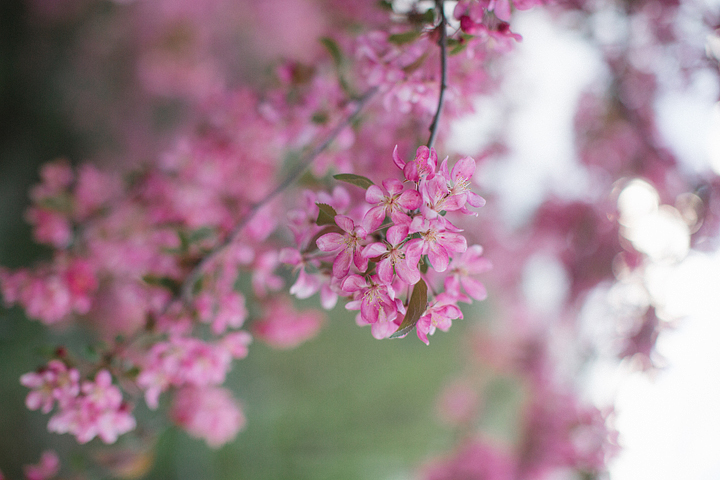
(199, 234)
(385, 5)
(416, 307)
(458, 48)
(169, 283)
(333, 49)
(320, 118)
(326, 215)
(427, 17)
(357, 180)
(405, 37)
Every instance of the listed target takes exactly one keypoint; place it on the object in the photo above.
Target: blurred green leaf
(357, 180)
(405, 37)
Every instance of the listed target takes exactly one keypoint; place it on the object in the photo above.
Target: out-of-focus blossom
(209, 413)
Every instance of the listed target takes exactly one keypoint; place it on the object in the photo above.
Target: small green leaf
(169, 283)
(91, 353)
(405, 37)
(333, 49)
(427, 17)
(326, 215)
(357, 180)
(199, 234)
(415, 309)
(320, 118)
(458, 48)
(385, 5)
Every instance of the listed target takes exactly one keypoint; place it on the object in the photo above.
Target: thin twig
(292, 176)
(443, 73)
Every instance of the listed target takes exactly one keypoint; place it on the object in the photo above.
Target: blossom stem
(187, 286)
(443, 73)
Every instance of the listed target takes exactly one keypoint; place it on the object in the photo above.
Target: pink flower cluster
(399, 233)
(85, 409)
(395, 70)
(52, 292)
(490, 18)
(184, 361)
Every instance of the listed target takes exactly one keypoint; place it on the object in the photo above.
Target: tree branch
(443, 72)
(292, 176)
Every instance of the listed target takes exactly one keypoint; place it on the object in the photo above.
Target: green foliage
(326, 215)
(405, 37)
(357, 180)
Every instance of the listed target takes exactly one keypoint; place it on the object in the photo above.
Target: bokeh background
(343, 405)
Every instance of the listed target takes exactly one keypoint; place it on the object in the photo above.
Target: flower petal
(354, 283)
(464, 169)
(345, 223)
(474, 288)
(374, 194)
(438, 257)
(396, 234)
(410, 200)
(399, 162)
(330, 242)
(341, 264)
(385, 270)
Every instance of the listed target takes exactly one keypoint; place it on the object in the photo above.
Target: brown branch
(443, 72)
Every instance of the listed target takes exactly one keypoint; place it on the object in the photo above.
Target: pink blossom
(439, 314)
(422, 167)
(231, 312)
(50, 227)
(394, 256)
(475, 460)
(284, 328)
(97, 411)
(459, 183)
(435, 241)
(47, 468)
(390, 200)
(264, 279)
(182, 361)
(475, 21)
(55, 178)
(307, 284)
(560, 432)
(394, 71)
(94, 189)
(348, 246)
(53, 292)
(123, 305)
(462, 269)
(209, 413)
(52, 383)
(236, 343)
(376, 302)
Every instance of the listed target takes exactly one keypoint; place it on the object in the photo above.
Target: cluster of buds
(399, 240)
